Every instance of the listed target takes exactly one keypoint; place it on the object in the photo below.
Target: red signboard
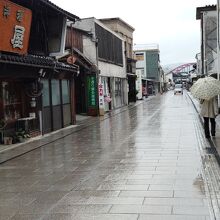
(15, 23)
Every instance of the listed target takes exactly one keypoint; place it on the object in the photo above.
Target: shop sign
(92, 91)
(101, 96)
(139, 57)
(71, 59)
(15, 23)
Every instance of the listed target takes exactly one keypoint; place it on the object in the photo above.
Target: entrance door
(80, 94)
(66, 102)
(56, 104)
(46, 107)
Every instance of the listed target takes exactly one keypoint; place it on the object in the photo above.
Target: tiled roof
(66, 13)
(37, 61)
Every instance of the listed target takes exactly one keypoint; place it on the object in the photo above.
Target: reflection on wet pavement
(143, 164)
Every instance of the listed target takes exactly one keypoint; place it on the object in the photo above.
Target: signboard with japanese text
(92, 91)
(15, 24)
(101, 98)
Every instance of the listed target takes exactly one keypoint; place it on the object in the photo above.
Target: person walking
(209, 111)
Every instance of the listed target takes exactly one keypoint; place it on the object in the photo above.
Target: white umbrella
(197, 83)
(206, 88)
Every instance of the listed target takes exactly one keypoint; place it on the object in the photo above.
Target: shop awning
(37, 61)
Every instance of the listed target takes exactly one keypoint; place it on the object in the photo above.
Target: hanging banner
(15, 23)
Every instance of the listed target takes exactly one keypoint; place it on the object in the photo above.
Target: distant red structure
(182, 67)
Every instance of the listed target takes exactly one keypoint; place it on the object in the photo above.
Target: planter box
(8, 140)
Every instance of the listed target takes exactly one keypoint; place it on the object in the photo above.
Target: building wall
(107, 69)
(123, 30)
(90, 49)
(140, 56)
(110, 70)
(152, 64)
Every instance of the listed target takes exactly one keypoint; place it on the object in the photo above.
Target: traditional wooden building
(86, 94)
(36, 91)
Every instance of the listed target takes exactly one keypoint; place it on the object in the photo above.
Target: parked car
(178, 89)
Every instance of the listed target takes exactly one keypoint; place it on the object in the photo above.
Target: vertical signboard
(92, 94)
(15, 23)
(101, 98)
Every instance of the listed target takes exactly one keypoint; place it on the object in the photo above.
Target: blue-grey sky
(172, 23)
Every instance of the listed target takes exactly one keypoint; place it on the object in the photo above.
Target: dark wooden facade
(110, 46)
(37, 92)
(86, 85)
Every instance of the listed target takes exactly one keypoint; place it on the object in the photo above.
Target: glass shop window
(118, 87)
(66, 91)
(11, 100)
(46, 93)
(55, 86)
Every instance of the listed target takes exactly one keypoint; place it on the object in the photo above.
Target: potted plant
(21, 135)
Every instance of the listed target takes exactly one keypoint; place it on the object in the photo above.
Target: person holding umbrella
(206, 90)
(209, 111)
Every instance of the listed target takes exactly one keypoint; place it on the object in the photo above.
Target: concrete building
(148, 67)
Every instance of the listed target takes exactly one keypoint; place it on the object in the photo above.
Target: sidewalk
(8, 152)
(215, 141)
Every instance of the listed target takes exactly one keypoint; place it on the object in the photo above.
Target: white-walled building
(107, 51)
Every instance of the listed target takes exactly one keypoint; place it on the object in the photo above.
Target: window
(46, 92)
(110, 46)
(55, 87)
(65, 91)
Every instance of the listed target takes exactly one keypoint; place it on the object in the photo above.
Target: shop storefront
(33, 99)
(56, 104)
(36, 91)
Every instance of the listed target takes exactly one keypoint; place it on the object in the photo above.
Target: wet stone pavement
(146, 163)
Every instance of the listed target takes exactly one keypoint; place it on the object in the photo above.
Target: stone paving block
(189, 194)
(152, 194)
(27, 217)
(170, 217)
(64, 216)
(122, 187)
(6, 212)
(174, 201)
(85, 209)
(148, 172)
(36, 208)
(151, 181)
(115, 200)
(139, 177)
(132, 209)
(186, 210)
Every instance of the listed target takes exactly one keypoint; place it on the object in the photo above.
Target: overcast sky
(171, 24)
